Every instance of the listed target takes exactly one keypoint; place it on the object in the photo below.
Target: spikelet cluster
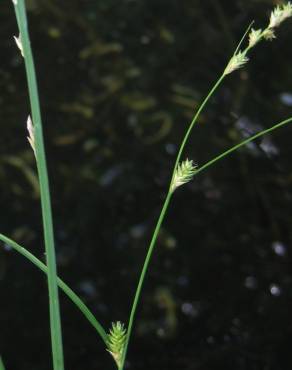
(116, 341)
(254, 37)
(237, 61)
(183, 174)
(278, 15)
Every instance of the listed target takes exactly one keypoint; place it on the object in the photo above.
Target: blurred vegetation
(119, 81)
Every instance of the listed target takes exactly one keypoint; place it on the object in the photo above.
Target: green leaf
(69, 292)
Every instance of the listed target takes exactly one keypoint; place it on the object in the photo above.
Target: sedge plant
(74, 297)
(117, 339)
(184, 170)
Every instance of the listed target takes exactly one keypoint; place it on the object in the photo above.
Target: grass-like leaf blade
(68, 291)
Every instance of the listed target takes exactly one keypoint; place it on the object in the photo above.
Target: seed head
(237, 61)
(269, 34)
(116, 341)
(254, 37)
(279, 14)
(183, 174)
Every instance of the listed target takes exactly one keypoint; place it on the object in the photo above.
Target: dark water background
(119, 81)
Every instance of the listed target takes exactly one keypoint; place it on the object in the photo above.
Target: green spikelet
(116, 341)
(183, 174)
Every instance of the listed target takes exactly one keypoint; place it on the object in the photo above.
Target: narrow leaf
(68, 291)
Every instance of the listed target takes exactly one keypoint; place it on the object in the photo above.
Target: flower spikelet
(19, 44)
(30, 130)
(269, 34)
(116, 341)
(254, 37)
(279, 14)
(237, 61)
(183, 174)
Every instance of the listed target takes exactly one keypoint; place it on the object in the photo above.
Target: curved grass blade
(68, 291)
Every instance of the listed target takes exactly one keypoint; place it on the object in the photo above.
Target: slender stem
(244, 142)
(160, 220)
(192, 124)
(163, 213)
(55, 320)
(202, 106)
(243, 38)
(66, 289)
(78, 302)
(166, 203)
(143, 273)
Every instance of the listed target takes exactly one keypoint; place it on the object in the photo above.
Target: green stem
(163, 213)
(160, 220)
(244, 142)
(192, 124)
(142, 276)
(55, 320)
(166, 204)
(68, 291)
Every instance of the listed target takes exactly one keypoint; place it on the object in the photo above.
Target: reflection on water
(286, 98)
(279, 248)
(275, 290)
